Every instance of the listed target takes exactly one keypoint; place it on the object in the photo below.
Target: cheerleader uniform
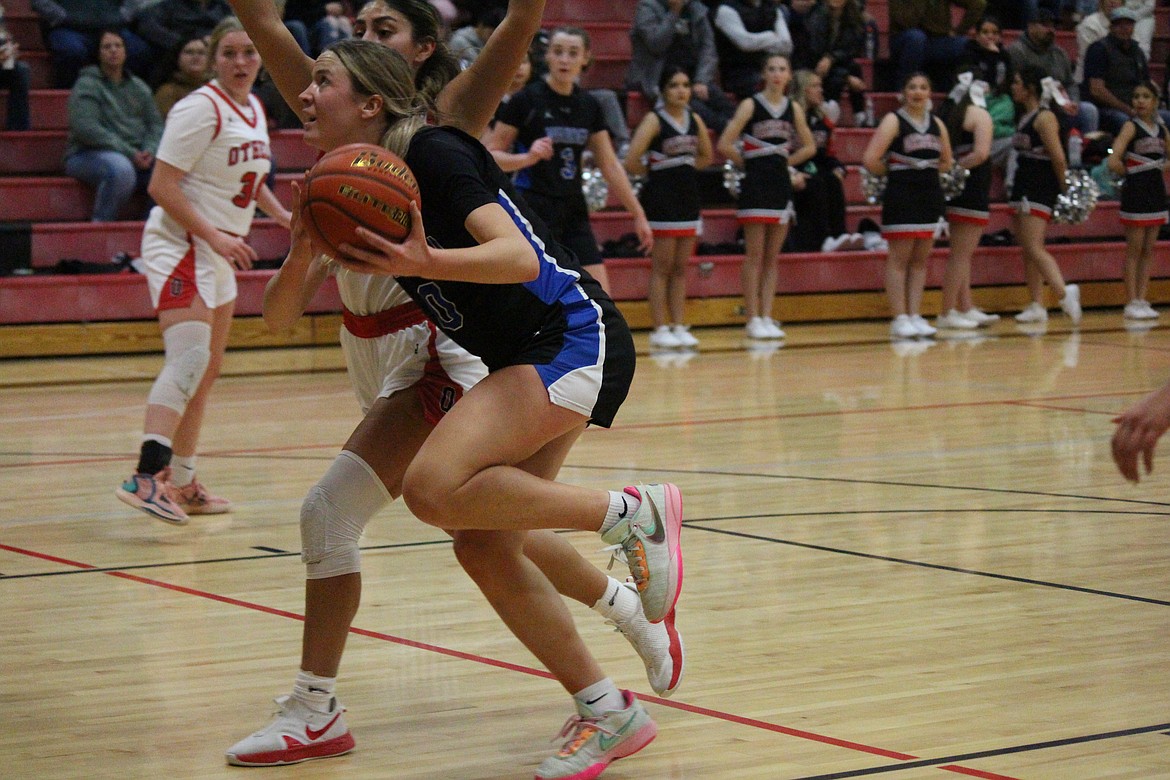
(765, 194)
(1035, 188)
(913, 204)
(1143, 195)
(670, 196)
(973, 204)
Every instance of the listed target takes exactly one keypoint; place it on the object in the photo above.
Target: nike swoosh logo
(605, 741)
(594, 701)
(625, 509)
(657, 531)
(314, 734)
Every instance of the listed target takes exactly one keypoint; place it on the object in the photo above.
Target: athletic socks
(621, 505)
(618, 603)
(313, 691)
(182, 470)
(600, 697)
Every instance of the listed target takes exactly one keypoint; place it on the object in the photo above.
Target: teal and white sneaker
(649, 540)
(593, 741)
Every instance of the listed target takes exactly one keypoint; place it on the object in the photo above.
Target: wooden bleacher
(110, 313)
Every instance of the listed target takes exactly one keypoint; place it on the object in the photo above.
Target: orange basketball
(357, 185)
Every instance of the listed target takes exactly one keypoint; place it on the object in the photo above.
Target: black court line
(1007, 751)
(880, 482)
(201, 561)
(936, 566)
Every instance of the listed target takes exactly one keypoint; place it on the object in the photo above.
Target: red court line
(695, 709)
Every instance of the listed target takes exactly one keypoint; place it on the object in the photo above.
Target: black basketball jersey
(568, 120)
(496, 322)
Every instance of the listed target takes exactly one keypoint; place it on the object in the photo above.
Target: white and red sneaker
(297, 733)
(658, 645)
(195, 499)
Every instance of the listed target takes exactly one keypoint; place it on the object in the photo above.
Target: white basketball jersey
(223, 148)
(367, 293)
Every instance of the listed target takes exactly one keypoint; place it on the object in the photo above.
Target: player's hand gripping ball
(357, 185)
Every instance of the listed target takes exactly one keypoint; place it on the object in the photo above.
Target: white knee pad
(188, 353)
(335, 513)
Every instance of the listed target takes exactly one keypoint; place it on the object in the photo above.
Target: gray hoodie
(121, 116)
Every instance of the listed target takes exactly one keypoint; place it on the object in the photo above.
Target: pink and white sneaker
(297, 733)
(592, 742)
(649, 541)
(154, 495)
(196, 500)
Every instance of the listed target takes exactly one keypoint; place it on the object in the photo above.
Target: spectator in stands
(466, 42)
(1037, 47)
(188, 73)
(1143, 26)
(1115, 65)
(837, 39)
(15, 77)
(746, 32)
(326, 20)
(988, 62)
(818, 189)
(1092, 28)
(797, 17)
(74, 28)
(1015, 14)
(114, 129)
(922, 36)
(678, 34)
(168, 23)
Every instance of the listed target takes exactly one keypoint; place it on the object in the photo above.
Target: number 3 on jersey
(568, 164)
(250, 184)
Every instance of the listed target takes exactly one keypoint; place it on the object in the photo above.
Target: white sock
(182, 470)
(618, 603)
(621, 506)
(313, 691)
(600, 697)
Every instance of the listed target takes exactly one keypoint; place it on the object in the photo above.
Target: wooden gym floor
(905, 562)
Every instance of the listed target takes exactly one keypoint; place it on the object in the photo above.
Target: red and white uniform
(390, 345)
(222, 146)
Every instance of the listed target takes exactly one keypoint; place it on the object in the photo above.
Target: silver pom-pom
(1076, 203)
(873, 187)
(732, 176)
(954, 181)
(636, 182)
(595, 188)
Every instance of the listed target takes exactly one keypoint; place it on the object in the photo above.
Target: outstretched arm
(291, 69)
(470, 100)
(1138, 431)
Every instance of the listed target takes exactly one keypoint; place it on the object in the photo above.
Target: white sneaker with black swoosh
(649, 540)
(297, 733)
(592, 742)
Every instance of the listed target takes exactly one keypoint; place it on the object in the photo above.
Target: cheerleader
(1039, 179)
(1140, 153)
(760, 139)
(910, 146)
(968, 123)
(676, 144)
